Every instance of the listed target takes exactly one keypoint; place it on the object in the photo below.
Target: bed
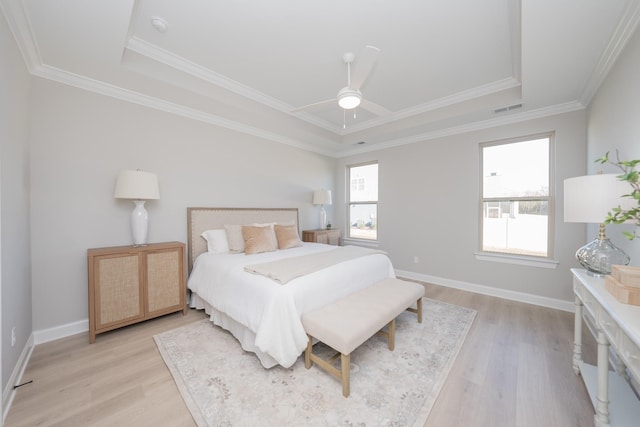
(262, 314)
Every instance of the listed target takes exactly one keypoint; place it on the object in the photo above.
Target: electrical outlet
(416, 260)
(13, 336)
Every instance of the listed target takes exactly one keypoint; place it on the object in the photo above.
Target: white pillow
(217, 242)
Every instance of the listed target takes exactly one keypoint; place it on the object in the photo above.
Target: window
(363, 201)
(516, 209)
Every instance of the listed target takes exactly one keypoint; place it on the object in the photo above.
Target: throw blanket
(285, 270)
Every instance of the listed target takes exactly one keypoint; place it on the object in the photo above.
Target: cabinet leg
(577, 336)
(602, 401)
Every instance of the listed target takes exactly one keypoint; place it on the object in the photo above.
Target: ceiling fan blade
(316, 106)
(363, 65)
(374, 108)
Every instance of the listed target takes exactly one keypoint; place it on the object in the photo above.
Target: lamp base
(139, 223)
(323, 217)
(599, 255)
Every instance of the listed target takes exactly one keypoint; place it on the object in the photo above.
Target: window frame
(550, 199)
(369, 202)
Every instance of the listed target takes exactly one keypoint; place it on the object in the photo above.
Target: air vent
(508, 108)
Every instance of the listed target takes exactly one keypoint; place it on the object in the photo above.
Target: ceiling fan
(350, 97)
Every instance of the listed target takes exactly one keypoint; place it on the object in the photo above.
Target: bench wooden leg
(392, 334)
(307, 353)
(417, 310)
(345, 366)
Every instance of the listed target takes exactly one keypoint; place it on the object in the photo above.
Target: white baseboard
(37, 337)
(491, 291)
(16, 376)
(62, 331)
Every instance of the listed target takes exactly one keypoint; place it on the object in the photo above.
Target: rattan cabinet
(328, 236)
(129, 284)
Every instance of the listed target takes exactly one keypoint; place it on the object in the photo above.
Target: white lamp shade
(589, 198)
(322, 197)
(137, 185)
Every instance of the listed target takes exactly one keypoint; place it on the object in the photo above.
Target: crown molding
(470, 127)
(172, 60)
(156, 53)
(20, 25)
(624, 31)
(447, 101)
(96, 86)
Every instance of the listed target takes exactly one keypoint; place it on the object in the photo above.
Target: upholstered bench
(347, 323)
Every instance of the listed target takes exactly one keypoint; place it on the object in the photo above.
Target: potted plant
(629, 174)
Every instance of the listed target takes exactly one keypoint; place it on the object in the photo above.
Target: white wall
(429, 202)
(614, 123)
(14, 202)
(79, 143)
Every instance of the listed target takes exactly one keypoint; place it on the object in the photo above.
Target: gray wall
(614, 123)
(14, 202)
(79, 143)
(429, 203)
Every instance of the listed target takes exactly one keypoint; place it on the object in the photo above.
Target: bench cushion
(347, 323)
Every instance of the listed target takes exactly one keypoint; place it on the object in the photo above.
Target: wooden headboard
(203, 219)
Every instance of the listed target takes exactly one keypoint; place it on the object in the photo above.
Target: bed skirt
(244, 335)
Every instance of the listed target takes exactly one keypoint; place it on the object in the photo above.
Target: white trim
(491, 291)
(37, 337)
(436, 104)
(96, 86)
(172, 60)
(623, 32)
(9, 393)
(517, 259)
(361, 242)
(470, 127)
(21, 27)
(62, 331)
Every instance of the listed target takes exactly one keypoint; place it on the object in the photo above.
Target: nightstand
(329, 237)
(129, 284)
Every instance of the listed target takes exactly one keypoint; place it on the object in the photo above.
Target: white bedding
(270, 310)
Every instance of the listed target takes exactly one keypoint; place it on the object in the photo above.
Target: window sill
(517, 259)
(361, 242)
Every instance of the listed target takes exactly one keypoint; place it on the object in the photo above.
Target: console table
(616, 327)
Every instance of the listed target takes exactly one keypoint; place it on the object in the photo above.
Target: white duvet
(270, 310)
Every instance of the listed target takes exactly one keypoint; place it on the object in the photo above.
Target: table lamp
(322, 197)
(588, 199)
(138, 186)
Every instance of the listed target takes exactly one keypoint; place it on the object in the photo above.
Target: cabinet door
(118, 289)
(164, 281)
(334, 237)
(322, 238)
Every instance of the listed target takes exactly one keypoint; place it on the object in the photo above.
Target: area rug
(223, 385)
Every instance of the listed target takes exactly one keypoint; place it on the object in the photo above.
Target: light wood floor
(514, 370)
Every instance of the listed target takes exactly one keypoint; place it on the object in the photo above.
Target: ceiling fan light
(349, 98)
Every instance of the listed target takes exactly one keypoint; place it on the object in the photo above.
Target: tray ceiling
(445, 66)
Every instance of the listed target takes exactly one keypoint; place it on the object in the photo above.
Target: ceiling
(445, 66)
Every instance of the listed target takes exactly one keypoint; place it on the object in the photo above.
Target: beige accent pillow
(287, 236)
(271, 231)
(257, 239)
(234, 238)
